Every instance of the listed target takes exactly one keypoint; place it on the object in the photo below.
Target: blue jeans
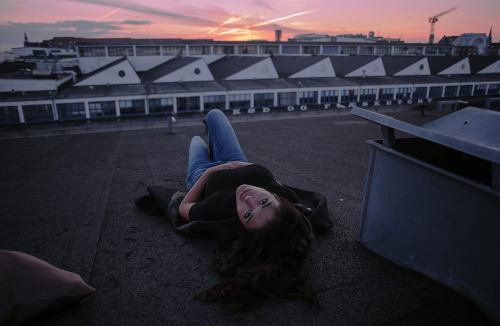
(223, 147)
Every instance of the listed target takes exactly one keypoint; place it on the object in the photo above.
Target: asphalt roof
(229, 65)
(165, 88)
(376, 80)
(347, 64)
(438, 64)
(103, 68)
(477, 63)
(69, 200)
(101, 91)
(394, 64)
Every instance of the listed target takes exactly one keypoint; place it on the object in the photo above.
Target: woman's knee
(197, 141)
(215, 114)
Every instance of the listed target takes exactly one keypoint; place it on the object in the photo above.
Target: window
(310, 49)
(480, 89)
(330, 96)
(309, 97)
(247, 49)
(92, 51)
(39, 112)
(403, 93)
(238, 101)
(431, 50)
(120, 51)
(400, 50)
(161, 105)
(436, 91)
(493, 89)
(199, 49)
(330, 49)
(211, 102)
(368, 94)
(147, 50)
(386, 94)
(9, 114)
(269, 49)
(367, 50)
(286, 99)
(290, 49)
(102, 109)
(416, 50)
(383, 50)
(450, 91)
(188, 104)
(420, 92)
(174, 50)
(349, 95)
(131, 107)
(445, 50)
(224, 49)
(263, 100)
(349, 50)
(69, 111)
(465, 90)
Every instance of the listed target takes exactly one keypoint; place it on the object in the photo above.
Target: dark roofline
(224, 67)
(168, 66)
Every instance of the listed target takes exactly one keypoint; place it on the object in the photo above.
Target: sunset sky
(241, 19)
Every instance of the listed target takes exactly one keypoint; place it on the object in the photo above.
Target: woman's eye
(264, 201)
(248, 214)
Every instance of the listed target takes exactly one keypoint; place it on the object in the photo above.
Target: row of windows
(69, 111)
(120, 51)
(156, 50)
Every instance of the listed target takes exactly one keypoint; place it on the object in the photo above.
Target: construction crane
(433, 21)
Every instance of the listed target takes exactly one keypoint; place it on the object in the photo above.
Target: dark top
(219, 198)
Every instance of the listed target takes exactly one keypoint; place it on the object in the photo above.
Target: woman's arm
(197, 190)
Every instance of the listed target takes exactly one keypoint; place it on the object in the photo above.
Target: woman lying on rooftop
(267, 254)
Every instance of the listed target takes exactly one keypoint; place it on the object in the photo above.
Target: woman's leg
(199, 160)
(222, 141)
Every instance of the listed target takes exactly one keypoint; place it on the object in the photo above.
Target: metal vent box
(432, 201)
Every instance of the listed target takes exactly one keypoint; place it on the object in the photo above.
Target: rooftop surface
(69, 200)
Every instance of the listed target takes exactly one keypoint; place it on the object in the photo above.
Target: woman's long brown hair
(265, 262)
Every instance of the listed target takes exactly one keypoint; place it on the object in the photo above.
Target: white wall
(373, 68)
(188, 74)
(261, 70)
(112, 76)
(324, 68)
(461, 67)
(414, 69)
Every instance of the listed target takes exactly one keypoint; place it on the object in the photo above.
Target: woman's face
(256, 206)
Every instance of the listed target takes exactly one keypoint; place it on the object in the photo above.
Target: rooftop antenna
(433, 21)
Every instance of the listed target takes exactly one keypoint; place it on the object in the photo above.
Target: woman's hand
(228, 166)
(197, 190)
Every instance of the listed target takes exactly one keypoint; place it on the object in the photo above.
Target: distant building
(42, 52)
(469, 43)
(343, 38)
(114, 78)
(191, 85)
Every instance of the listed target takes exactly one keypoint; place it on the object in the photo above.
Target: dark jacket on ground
(163, 200)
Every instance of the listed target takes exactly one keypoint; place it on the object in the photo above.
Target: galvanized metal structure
(432, 201)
